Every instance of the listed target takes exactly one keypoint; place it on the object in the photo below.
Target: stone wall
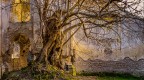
(126, 65)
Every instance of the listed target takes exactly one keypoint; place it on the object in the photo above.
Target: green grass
(112, 76)
(116, 78)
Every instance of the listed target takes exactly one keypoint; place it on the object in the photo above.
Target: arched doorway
(20, 45)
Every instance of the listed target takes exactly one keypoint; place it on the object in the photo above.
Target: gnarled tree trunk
(53, 42)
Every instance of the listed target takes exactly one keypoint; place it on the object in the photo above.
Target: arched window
(20, 11)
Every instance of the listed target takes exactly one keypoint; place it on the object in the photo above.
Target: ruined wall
(25, 34)
(125, 65)
(128, 58)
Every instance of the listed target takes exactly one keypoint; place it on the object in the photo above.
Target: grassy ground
(116, 78)
(52, 73)
(108, 76)
(104, 78)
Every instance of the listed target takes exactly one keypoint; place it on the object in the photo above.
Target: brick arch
(24, 41)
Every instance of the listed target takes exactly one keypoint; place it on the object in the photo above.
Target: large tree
(59, 17)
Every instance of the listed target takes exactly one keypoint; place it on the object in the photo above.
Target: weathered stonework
(20, 33)
(126, 65)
